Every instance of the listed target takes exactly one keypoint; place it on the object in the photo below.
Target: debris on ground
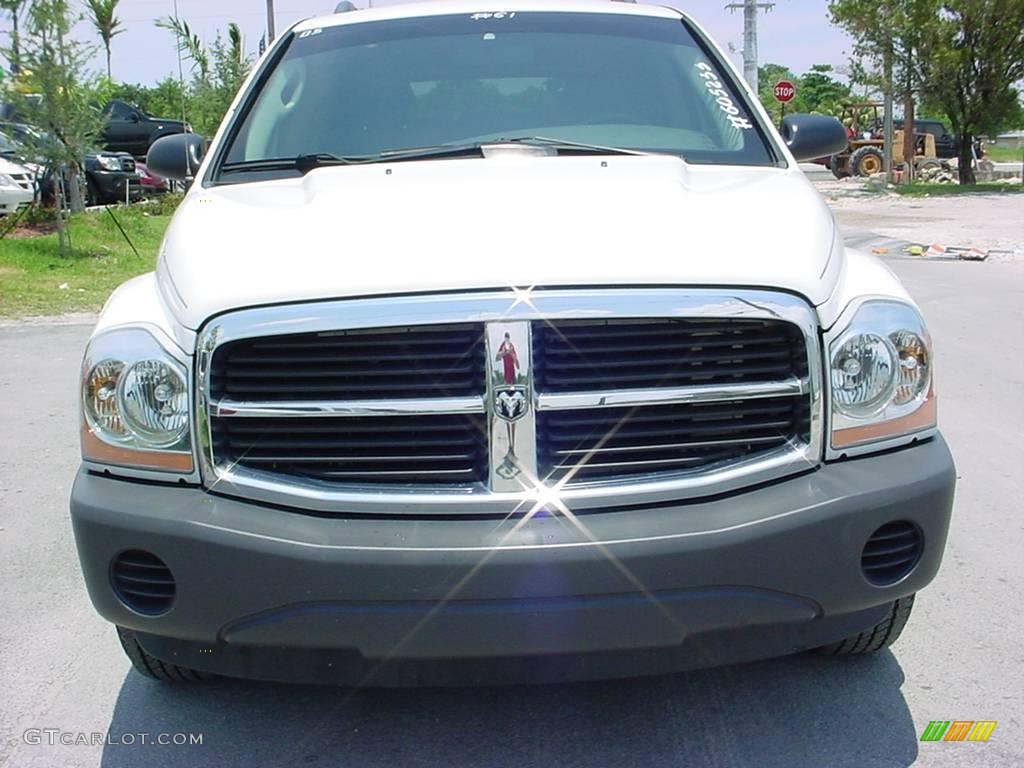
(960, 252)
(938, 175)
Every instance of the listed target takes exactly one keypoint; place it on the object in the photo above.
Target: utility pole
(750, 9)
(270, 21)
(888, 134)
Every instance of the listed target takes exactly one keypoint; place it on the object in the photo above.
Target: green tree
(975, 61)
(816, 90)
(767, 76)
(821, 93)
(161, 100)
(218, 71)
(189, 44)
(14, 8)
(889, 36)
(61, 92)
(101, 14)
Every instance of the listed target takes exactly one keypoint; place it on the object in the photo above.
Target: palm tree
(13, 7)
(236, 46)
(106, 23)
(189, 44)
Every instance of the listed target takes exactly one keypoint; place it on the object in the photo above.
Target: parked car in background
(947, 145)
(129, 129)
(17, 186)
(109, 177)
(9, 148)
(150, 184)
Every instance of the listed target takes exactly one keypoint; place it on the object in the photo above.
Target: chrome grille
(487, 399)
(582, 445)
(587, 355)
(23, 180)
(439, 361)
(412, 450)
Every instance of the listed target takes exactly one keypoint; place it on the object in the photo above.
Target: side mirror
(134, 117)
(177, 156)
(813, 136)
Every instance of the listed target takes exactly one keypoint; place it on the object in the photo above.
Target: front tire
(836, 166)
(867, 161)
(152, 667)
(880, 636)
(92, 193)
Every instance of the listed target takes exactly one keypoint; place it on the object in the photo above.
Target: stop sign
(784, 91)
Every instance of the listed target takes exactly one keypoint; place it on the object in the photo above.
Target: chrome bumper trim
(710, 393)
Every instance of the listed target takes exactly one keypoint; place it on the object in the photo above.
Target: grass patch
(1004, 154)
(36, 280)
(935, 190)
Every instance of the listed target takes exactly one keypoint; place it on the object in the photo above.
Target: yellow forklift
(865, 152)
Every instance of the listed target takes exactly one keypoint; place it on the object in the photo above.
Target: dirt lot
(973, 221)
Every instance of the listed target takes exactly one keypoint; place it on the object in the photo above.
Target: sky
(795, 33)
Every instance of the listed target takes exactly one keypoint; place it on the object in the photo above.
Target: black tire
(835, 166)
(865, 159)
(880, 636)
(92, 193)
(152, 667)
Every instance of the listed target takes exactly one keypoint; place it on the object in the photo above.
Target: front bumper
(111, 185)
(13, 199)
(276, 594)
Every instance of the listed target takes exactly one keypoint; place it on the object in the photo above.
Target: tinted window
(637, 82)
(119, 111)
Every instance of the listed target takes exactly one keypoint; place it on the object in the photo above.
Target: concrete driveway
(960, 658)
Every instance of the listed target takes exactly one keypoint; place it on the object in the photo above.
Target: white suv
(17, 187)
(504, 342)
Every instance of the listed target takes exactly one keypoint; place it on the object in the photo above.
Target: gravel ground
(973, 221)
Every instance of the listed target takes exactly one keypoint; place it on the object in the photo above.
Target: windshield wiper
(577, 146)
(476, 148)
(305, 163)
(472, 149)
(301, 163)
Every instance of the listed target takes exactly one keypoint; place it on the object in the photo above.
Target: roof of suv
(413, 10)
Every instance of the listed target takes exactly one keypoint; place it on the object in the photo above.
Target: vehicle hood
(6, 166)
(463, 224)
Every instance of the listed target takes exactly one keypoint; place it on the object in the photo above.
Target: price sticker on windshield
(722, 98)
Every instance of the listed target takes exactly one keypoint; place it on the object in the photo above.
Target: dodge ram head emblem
(511, 402)
(512, 433)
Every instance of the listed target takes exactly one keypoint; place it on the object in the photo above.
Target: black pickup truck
(129, 129)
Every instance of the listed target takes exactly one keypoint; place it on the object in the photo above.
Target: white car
(17, 186)
(504, 342)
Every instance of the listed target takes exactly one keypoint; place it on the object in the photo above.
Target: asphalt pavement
(961, 656)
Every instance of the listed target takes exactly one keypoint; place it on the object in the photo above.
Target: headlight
(880, 375)
(109, 163)
(135, 403)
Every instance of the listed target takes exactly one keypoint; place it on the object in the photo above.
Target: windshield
(635, 82)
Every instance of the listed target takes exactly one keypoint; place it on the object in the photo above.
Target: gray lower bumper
(775, 568)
